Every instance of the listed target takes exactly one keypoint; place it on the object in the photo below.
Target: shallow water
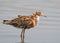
(48, 29)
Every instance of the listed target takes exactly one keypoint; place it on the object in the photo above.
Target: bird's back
(26, 22)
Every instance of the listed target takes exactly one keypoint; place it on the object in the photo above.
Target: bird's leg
(22, 35)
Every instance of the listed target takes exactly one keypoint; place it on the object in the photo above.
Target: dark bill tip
(45, 16)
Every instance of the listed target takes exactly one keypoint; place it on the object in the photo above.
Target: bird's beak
(45, 16)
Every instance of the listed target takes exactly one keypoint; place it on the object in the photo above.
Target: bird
(25, 22)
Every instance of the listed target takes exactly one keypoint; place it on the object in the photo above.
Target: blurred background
(47, 30)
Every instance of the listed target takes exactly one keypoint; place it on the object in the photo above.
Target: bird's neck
(38, 18)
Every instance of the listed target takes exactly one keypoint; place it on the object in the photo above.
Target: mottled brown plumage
(24, 22)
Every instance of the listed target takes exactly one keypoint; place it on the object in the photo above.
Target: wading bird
(25, 22)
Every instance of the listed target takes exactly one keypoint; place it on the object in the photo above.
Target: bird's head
(39, 13)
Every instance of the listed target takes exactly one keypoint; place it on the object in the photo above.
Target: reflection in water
(21, 42)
